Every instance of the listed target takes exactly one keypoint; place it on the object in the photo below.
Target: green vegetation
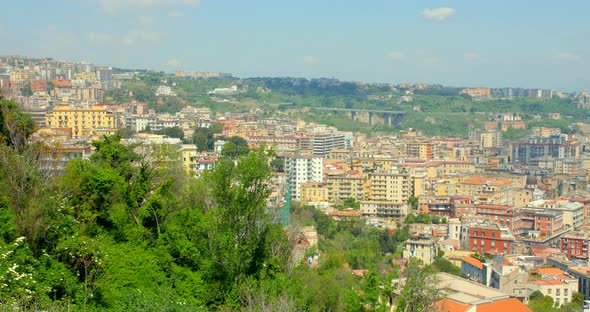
(203, 139)
(540, 303)
(442, 110)
(235, 147)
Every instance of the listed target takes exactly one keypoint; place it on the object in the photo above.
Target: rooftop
(474, 262)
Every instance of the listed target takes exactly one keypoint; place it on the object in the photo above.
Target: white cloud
(566, 56)
(116, 7)
(173, 62)
(396, 56)
(438, 14)
(472, 57)
(141, 36)
(311, 60)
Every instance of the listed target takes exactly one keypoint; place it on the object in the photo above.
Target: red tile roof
(447, 305)
(505, 305)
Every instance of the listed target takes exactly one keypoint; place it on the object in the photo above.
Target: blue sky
(458, 42)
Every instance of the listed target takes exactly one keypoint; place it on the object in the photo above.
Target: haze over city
(459, 43)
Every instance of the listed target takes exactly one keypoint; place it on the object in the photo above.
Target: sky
(492, 43)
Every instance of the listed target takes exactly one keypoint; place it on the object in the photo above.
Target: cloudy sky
(528, 43)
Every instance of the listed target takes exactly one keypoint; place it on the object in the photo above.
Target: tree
(217, 128)
(203, 139)
(241, 235)
(410, 219)
(235, 147)
(172, 132)
(542, 304)
(419, 292)
(413, 201)
(278, 164)
(15, 126)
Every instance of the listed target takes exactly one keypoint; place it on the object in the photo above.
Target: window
(558, 292)
(565, 292)
(493, 234)
(474, 233)
(549, 291)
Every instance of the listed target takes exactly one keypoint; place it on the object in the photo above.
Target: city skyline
(455, 43)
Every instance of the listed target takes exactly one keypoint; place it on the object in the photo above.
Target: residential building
(476, 92)
(554, 283)
(474, 269)
(421, 248)
(313, 192)
(574, 245)
(423, 149)
(301, 169)
(531, 151)
(583, 276)
(384, 209)
(189, 158)
(84, 122)
(321, 143)
(490, 238)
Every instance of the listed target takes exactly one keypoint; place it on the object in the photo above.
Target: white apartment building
(301, 169)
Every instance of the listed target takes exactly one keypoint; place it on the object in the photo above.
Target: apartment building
(84, 122)
(189, 156)
(574, 245)
(554, 283)
(421, 149)
(531, 151)
(423, 249)
(322, 143)
(313, 192)
(490, 238)
(301, 169)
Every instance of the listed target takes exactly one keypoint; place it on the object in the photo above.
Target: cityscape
(165, 188)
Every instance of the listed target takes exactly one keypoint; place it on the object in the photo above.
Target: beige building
(423, 249)
(491, 139)
(384, 209)
(554, 283)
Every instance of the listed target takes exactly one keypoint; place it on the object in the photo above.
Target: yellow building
(19, 75)
(313, 192)
(84, 122)
(189, 158)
